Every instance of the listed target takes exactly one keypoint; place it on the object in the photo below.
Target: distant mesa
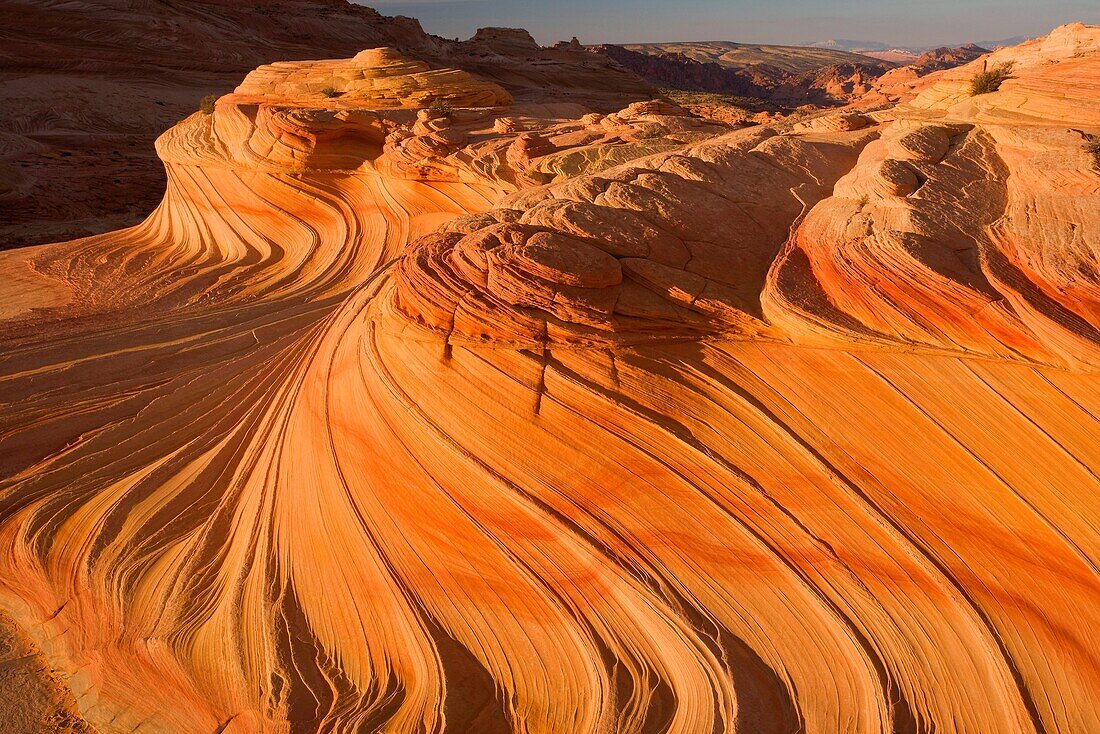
(505, 39)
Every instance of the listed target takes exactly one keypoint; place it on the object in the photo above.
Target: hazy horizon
(792, 22)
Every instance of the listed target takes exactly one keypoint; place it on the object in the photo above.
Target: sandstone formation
(504, 416)
(90, 84)
(834, 84)
(945, 57)
(536, 144)
(376, 78)
(42, 702)
(905, 82)
(594, 260)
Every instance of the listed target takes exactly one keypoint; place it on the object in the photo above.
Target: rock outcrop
(905, 82)
(946, 57)
(90, 85)
(498, 415)
(375, 78)
(32, 699)
(831, 85)
(628, 255)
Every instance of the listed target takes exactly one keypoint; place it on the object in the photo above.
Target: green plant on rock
(1092, 147)
(440, 108)
(331, 92)
(990, 80)
(207, 104)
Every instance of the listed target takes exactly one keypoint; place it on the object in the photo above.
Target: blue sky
(898, 22)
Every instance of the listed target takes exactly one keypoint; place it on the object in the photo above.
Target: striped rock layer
(779, 430)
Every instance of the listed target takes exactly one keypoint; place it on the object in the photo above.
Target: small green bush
(207, 104)
(648, 132)
(440, 107)
(990, 80)
(331, 92)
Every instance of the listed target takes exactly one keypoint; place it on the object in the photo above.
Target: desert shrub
(648, 132)
(1093, 149)
(440, 107)
(989, 80)
(207, 104)
(330, 92)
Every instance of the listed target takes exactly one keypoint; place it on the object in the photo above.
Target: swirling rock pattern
(780, 431)
(379, 77)
(887, 257)
(89, 85)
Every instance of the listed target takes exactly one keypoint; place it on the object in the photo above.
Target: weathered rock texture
(88, 86)
(789, 429)
(905, 82)
(32, 698)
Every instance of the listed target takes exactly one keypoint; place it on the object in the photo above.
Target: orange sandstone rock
(789, 428)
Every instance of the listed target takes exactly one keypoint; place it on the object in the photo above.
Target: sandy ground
(33, 697)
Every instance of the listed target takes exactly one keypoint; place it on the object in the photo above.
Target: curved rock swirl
(625, 453)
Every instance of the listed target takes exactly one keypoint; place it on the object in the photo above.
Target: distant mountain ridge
(788, 75)
(871, 47)
(731, 54)
(784, 76)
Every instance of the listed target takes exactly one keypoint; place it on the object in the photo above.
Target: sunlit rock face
(89, 85)
(677, 246)
(495, 417)
(972, 224)
(378, 77)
